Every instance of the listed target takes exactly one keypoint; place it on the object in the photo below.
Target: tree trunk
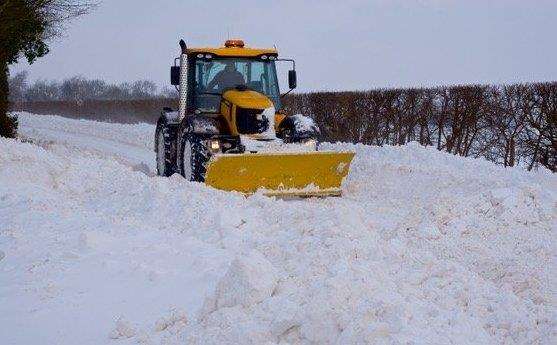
(512, 153)
(7, 125)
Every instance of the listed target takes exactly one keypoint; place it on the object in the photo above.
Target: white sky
(338, 45)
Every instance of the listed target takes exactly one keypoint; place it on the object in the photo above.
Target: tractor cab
(213, 71)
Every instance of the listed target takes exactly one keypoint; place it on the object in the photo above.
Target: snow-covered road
(423, 248)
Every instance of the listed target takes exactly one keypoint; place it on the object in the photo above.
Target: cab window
(214, 76)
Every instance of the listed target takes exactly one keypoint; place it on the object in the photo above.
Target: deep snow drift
(423, 248)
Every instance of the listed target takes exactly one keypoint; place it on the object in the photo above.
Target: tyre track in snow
(132, 153)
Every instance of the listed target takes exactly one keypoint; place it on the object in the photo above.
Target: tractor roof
(234, 48)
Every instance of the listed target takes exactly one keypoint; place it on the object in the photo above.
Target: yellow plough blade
(283, 174)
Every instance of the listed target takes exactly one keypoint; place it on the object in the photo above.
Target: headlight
(214, 146)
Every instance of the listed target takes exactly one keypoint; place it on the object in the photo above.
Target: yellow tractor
(230, 130)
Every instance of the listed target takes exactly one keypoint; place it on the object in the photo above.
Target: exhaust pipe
(183, 80)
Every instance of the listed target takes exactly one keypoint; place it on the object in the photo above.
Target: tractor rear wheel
(165, 164)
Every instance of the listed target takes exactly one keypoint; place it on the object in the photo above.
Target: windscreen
(214, 76)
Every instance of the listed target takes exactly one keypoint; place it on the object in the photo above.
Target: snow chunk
(269, 113)
(304, 123)
(123, 329)
(176, 319)
(94, 239)
(427, 229)
(143, 168)
(249, 280)
(229, 326)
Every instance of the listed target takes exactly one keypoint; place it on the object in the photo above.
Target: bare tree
(142, 89)
(510, 125)
(42, 91)
(18, 86)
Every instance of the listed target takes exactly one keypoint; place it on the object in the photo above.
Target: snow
(275, 146)
(304, 123)
(423, 247)
(204, 125)
(269, 113)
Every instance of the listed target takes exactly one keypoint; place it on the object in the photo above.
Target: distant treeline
(119, 111)
(510, 124)
(78, 89)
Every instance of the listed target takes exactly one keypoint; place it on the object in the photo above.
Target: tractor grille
(251, 121)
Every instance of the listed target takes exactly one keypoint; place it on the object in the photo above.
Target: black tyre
(194, 157)
(163, 148)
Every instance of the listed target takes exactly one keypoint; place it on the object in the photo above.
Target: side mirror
(175, 75)
(292, 79)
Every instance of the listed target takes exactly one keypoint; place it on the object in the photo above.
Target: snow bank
(424, 247)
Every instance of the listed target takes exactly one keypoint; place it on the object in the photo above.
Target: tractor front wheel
(194, 158)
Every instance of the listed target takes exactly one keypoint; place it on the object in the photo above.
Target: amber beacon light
(234, 43)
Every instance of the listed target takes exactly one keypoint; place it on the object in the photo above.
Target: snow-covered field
(423, 248)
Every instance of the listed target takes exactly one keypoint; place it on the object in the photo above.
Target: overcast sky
(338, 45)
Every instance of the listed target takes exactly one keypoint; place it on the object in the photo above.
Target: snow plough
(231, 132)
